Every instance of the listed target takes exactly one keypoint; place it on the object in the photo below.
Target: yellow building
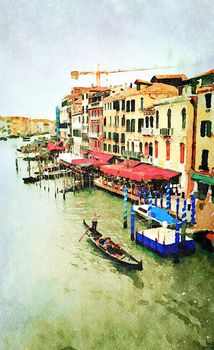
(126, 129)
(201, 89)
(174, 140)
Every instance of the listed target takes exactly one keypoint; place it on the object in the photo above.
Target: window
(156, 149)
(151, 121)
(104, 121)
(147, 122)
(182, 152)
(104, 147)
(128, 125)
(138, 87)
(141, 103)
(86, 95)
(206, 127)
(167, 150)
(123, 105)
(105, 106)
(132, 125)
(64, 103)
(109, 148)
(146, 149)
(132, 105)
(184, 115)
(83, 120)
(169, 117)
(132, 146)
(140, 124)
(122, 149)
(157, 120)
(82, 97)
(110, 121)
(122, 138)
(104, 134)
(109, 135)
(123, 121)
(208, 98)
(150, 149)
(127, 106)
(204, 160)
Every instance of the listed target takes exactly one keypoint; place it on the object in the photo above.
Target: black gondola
(30, 179)
(116, 253)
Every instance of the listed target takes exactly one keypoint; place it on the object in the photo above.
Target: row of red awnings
(129, 169)
(140, 172)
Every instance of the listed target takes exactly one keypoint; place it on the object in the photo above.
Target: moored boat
(30, 179)
(115, 253)
(157, 214)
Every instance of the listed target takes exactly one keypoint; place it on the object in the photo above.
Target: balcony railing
(84, 148)
(166, 132)
(93, 118)
(93, 135)
(130, 154)
(147, 131)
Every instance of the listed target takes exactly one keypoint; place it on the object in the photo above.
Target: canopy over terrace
(115, 169)
(146, 172)
(95, 162)
(54, 147)
(105, 157)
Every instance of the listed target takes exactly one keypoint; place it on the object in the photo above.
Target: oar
(83, 235)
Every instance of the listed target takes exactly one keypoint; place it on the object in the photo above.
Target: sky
(42, 41)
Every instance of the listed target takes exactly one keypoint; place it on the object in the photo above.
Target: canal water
(57, 293)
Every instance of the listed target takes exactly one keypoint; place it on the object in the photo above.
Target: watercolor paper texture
(107, 115)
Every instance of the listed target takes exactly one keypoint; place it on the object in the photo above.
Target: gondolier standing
(94, 221)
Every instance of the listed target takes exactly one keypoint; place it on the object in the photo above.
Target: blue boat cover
(161, 215)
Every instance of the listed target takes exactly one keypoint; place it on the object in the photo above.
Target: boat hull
(132, 265)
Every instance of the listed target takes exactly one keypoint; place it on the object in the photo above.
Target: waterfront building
(127, 131)
(65, 119)
(96, 120)
(201, 88)
(174, 138)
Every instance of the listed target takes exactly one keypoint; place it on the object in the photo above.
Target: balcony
(130, 154)
(94, 118)
(93, 135)
(147, 131)
(166, 132)
(84, 148)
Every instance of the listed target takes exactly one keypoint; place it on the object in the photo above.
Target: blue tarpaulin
(161, 215)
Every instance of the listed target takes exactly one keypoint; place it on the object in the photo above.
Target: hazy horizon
(42, 41)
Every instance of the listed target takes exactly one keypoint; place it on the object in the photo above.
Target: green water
(57, 293)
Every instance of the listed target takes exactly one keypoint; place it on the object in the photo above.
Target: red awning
(148, 172)
(111, 169)
(82, 151)
(101, 156)
(96, 163)
(53, 147)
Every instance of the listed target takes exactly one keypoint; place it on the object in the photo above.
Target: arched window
(128, 146)
(169, 118)
(147, 122)
(182, 152)
(146, 149)
(156, 149)
(167, 150)
(157, 120)
(184, 117)
(140, 147)
(150, 149)
(151, 121)
(132, 146)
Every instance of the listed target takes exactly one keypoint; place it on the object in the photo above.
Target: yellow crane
(75, 74)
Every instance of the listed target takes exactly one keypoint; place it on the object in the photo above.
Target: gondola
(120, 255)
(30, 179)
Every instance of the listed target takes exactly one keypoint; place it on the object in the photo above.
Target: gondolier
(94, 221)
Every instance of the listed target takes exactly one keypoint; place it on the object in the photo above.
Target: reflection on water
(59, 293)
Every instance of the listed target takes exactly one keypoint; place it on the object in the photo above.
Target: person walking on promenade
(94, 221)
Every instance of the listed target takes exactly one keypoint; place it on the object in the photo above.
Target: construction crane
(75, 74)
